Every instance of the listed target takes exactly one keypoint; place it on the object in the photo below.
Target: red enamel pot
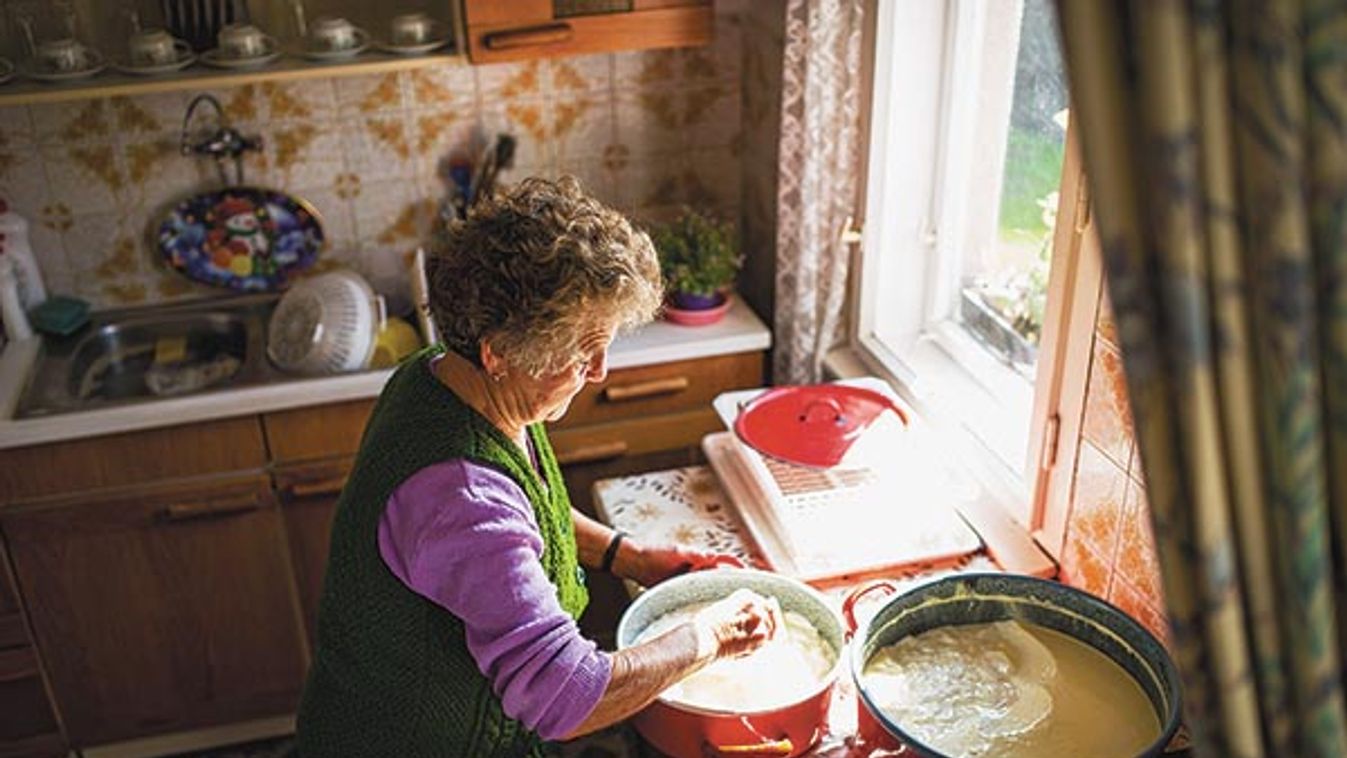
(684, 731)
(977, 598)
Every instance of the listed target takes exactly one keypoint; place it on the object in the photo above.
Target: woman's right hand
(736, 625)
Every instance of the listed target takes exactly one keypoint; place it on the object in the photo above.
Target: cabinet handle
(316, 488)
(209, 509)
(600, 452)
(533, 36)
(623, 392)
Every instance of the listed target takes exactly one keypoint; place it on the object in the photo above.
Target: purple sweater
(463, 536)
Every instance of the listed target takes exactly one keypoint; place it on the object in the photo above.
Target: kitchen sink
(139, 355)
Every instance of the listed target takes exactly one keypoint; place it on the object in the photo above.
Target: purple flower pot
(691, 301)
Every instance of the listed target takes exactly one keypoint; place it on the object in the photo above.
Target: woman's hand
(648, 566)
(736, 625)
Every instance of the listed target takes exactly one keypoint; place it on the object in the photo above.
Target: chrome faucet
(223, 143)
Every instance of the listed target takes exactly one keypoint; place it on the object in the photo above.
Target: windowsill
(1009, 542)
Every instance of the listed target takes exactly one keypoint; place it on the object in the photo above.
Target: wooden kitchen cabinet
(308, 494)
(506, 30)
(28, 726)
(161, 608)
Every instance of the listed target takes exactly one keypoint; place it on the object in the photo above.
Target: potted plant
(699, 258)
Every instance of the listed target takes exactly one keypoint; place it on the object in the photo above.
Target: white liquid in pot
(787, 669)
(1010, 690)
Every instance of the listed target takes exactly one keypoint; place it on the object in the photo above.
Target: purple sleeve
(464, 537)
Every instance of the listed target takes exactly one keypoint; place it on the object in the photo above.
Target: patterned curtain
(1215, 139)
(818, 167)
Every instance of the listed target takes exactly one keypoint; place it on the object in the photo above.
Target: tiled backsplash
(644, 131)
(1110, 549)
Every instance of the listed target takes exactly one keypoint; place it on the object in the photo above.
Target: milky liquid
(785, 670)
(1011, 690)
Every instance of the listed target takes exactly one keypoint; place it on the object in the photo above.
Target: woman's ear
(492, 364)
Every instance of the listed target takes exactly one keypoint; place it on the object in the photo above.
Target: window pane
(1004, 280)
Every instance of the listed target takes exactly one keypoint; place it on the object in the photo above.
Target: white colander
(324, 325)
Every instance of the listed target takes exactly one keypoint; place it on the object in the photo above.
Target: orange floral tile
(1106, 327)
(1108, 413)
(1097, 502)
(1083, 569)
(131, 117)
(1136, 550)
(1135, 604)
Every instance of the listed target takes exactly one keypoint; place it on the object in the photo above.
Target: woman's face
(550, 395)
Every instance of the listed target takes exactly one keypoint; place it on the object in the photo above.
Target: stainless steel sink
(139, 355)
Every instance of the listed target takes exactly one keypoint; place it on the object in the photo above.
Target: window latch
(851, 234)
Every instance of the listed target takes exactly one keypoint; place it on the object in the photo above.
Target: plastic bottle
(11, 309)
(14, 245)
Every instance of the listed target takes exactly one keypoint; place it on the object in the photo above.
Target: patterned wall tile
(335, 208)
(498, 82)
(435, 135)
(1108, 416)
(582, 127)
(86, 176)
(1106, 328)
(72, 122)
(648, 120)
(376, 146)
(305, 153)
(712, 116)
(1137, 559)
(391, 219)
(23, 175)
(450, 86)
(1097, 503)
(1136, 605)
(530, 121)
(368, 95)
(365, 150)
(1084, 569)
(308, 100)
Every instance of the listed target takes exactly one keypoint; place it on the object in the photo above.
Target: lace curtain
(819, 167)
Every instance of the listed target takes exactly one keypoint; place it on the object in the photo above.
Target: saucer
(6, 70)
(96, 64)
(185, 59)
(419, 49)
(361, 45)
(214, 57)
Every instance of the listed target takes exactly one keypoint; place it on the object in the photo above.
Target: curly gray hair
(529, 268)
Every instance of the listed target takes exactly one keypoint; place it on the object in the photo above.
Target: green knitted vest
(391, 674)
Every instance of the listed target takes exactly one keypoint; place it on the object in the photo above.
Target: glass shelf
(110, 83)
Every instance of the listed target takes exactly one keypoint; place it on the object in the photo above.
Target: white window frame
(905, 188)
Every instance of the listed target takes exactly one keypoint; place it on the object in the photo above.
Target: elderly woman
(448, 619)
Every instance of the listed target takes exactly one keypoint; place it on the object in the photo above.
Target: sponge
(60, 315)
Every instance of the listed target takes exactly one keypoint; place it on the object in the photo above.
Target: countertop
(659, 342)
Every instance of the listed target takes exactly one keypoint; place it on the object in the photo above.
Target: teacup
(242, 41)
(153, 47)
(412, 29)
(333, 34)
(63, 55)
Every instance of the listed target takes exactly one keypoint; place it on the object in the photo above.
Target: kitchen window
(976, 285)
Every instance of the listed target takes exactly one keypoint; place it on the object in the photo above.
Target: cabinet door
(161, 608)
(505, 30)
(309, 501)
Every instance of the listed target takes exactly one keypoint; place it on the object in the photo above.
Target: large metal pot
(983, 598)
(684, 731)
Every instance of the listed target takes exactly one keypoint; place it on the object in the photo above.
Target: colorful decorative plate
(245, 238)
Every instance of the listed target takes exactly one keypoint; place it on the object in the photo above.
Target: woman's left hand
(650, 565)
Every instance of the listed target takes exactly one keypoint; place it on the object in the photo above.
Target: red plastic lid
(811, 425)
